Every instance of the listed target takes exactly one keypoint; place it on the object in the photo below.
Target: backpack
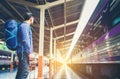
(11, 34)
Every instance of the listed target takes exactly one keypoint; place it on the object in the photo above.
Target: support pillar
(50, 68)
(41, 43)
(54, 56)
(11, 62)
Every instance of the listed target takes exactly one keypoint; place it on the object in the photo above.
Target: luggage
(11, 33)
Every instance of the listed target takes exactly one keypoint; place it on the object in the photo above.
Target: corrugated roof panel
(20, 8)
(4, 16)
(73, 17)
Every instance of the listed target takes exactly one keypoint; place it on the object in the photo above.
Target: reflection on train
(105, 49)
(105, 45)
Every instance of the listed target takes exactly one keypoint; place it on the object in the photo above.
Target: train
(106, 48)
(5, 57)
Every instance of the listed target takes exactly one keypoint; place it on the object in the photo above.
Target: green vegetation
(3, 47)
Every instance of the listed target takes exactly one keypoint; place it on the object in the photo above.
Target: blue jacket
(24, 38)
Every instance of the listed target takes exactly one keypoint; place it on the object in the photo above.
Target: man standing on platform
(25, 46)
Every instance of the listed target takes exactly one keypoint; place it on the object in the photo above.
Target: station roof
(62, 15)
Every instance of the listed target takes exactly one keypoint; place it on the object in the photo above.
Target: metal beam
(55, 58)
(36, 25)
(50, 68)
(73, 14)
(41, 43)
(41, 33)
(49, 5)
(67, 45)
(65, 18)
(65, 40)
(46, 6)
(70, 40)
(65, 35)
(67, 24)
(51, 37)
(47, 24)
(69, 7)
(52, 22)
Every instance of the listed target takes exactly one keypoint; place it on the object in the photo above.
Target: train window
(115, 13)
(9, 57)
(4, 56)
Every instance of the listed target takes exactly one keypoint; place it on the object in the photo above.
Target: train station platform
(84, 34)
(67, 73)
(64, 72)
(73, 71)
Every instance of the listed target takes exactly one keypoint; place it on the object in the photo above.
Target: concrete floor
(11, 75)
(64, 72)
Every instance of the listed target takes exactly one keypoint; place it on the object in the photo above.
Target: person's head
(29, 18)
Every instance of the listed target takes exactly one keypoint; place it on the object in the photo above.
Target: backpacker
(11, 29)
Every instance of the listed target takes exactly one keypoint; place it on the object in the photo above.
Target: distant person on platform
(25, 46)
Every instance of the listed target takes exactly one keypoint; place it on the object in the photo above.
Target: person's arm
(31, 43)
(25, 38)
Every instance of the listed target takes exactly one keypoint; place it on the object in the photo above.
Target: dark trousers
(23, 66)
